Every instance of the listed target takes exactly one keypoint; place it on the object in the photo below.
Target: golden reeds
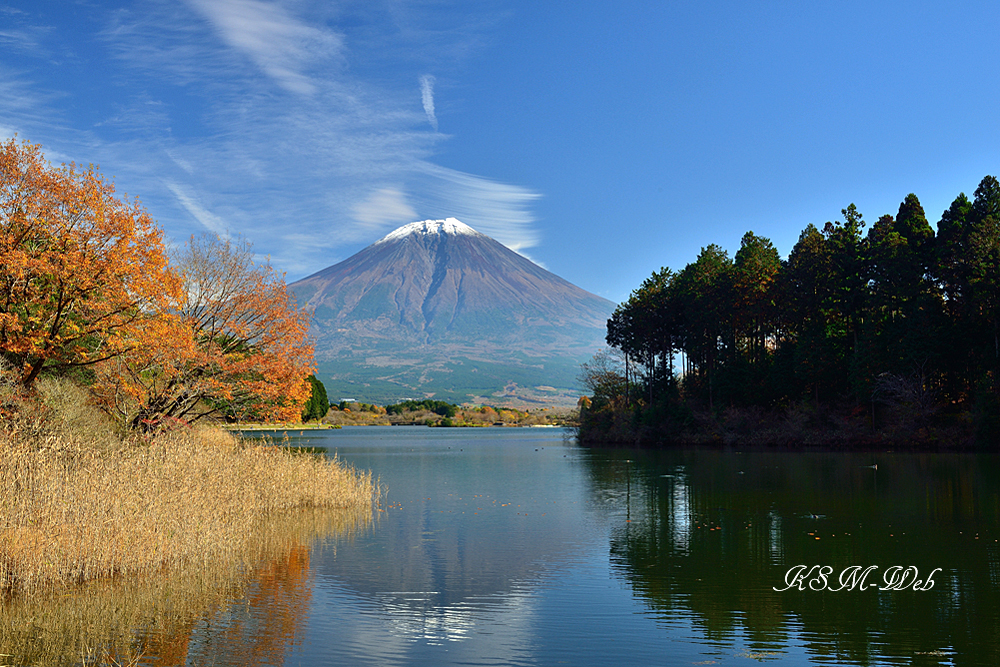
(112, 545)
(79, 503)
(71, 513)
(152, 619)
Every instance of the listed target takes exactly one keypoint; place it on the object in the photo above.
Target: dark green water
(517, 547)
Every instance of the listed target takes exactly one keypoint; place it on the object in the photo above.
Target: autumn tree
(236, 347)
(84, 272)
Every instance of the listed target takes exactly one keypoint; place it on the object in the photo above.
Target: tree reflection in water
(217, 613)
(255, 630)
(708, 534)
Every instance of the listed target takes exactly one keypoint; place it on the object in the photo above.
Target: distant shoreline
(257, 428)
(278, 427)
(801, 427)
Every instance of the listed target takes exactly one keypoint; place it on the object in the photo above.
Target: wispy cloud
(141, 114)
(496, 209)
(164, 42)
(279, 44)
(427, 97)
(23, 104)
(209, 220)
(250, 117)
(180, 161)
(384, 206)
(18, 34)
(20, 40)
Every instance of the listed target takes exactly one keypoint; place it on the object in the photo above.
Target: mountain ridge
(435, 296)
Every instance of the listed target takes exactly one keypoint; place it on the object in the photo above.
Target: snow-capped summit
(436, 306)
(446, 226)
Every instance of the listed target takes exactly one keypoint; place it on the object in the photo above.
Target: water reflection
(217, 613)
(710, 534)
(469, 522)
(262, 625)
(495, 551)
(502, 547)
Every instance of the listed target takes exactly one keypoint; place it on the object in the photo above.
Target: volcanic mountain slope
(437, 308)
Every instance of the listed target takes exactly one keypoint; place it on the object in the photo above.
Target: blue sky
(603, 140)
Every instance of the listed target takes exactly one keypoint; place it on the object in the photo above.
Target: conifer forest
(874, 334)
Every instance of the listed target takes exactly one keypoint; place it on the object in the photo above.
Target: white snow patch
(446, 226)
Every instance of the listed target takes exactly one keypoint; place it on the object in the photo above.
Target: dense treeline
(430, 412)
(898, 322)
(442, 408)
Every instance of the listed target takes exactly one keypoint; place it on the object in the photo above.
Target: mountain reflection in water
(625, 557)
(517, 547)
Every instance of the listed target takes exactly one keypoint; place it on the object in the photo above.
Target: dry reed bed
(71, 512)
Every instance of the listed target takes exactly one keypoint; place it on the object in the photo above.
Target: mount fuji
(438, 309)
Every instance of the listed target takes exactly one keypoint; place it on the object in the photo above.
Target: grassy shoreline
(273, 428)
(79, 502)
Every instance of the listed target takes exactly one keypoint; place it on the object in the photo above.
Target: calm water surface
(517, 547)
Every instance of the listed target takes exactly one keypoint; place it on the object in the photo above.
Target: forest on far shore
(864, 335)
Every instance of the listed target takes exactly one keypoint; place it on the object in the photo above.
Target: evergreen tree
(704, 294)
(983, 257)
(951, 271)
(318, 404)
(847, 316)
(756, 270)
(809, 286)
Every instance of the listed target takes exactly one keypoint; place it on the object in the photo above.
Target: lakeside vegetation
(429, 412)
(89, 291)
(81, 503)
(884, 338)
(117, 360)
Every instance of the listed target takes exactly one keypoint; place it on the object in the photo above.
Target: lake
(517, 547)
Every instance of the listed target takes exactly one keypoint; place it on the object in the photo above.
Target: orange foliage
(237, 345)
(85, 281)
(83, 273)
